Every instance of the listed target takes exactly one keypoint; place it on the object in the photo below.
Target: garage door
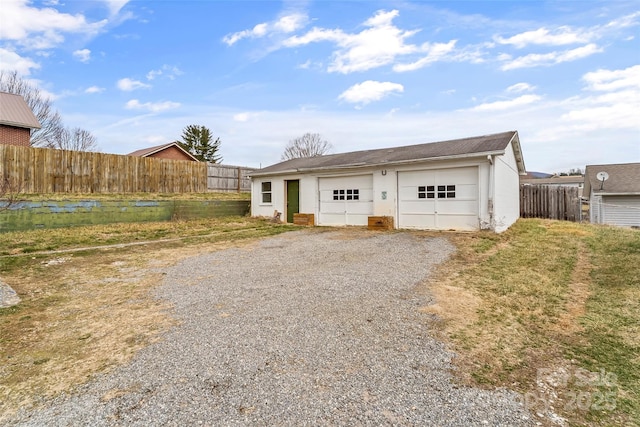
(445, 199)
(346, 200)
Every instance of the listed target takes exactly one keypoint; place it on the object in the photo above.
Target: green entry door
(293, 199)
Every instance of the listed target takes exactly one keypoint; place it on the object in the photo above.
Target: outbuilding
(16, 120)
(614, 194)
(462, 184)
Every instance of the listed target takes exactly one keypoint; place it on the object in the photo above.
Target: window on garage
(443, 192)
(266, 192)
(351, 194)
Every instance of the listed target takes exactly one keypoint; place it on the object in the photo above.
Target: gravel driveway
(306, 328)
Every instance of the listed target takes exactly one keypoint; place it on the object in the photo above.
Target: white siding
(621, 210)
(506, 195)
(595, 209)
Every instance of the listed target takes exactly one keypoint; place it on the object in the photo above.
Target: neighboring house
(557, 181)
(614, 200)
(172, 151)
(463, 184)
(16, 120)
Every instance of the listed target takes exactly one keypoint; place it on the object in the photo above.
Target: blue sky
(363, 74)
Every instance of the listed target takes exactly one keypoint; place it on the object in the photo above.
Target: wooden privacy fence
(43, 170)
(550, 202)
(228, 178)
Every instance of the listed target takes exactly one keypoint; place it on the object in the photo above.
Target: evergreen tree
(198, 141)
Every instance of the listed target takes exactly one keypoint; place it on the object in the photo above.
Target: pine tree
(198, 141)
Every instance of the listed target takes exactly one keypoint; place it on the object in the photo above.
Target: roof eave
(517, 152)
(616, 193)
(20, 125)
(164, 147)
(380, 164)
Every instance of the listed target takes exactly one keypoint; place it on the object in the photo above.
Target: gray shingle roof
(14, 111)
(623, 178)
(487, 144)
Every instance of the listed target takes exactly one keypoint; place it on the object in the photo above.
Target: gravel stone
(8, 297)
(306, 328)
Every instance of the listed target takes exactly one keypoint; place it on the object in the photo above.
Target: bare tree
(9, 191)
(74, 139)
(40, 105)
(307, 145)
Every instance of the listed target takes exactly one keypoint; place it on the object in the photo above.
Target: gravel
(306, 328)
(8, 297)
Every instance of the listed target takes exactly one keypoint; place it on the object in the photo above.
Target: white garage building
(614, 194)
(462, 184)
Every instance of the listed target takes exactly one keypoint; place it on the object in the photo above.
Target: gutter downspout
(492, 189)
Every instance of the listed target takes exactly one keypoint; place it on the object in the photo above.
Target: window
(266, 192)
(351, 194)
(426, 192)
(443, 192)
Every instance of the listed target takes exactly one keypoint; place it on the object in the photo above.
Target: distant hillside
(538, 175)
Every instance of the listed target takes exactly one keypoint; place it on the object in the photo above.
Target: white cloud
(241, 117)
(41, 28)
(154, 107)
(542, 36)
(291, 23)
(94, 89)
(520, 87)
(170, 72)
(129, 85)
(613, 79)
(82, 55)
(506, 105)
(368, 91)
(115, 5)
(551, 58)
(12, 61)
(435, 52)
(284, 25)
(377, 45)
(615, 104)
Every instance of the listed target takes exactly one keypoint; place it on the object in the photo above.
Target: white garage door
(445, 199)
(346, 200)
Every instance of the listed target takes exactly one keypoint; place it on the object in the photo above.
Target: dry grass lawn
(550, 309)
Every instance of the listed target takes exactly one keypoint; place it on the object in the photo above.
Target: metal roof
(457, 148)
(623, 178)
(14, 111)
(146, 152)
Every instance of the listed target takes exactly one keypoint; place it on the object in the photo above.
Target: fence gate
(550, 202)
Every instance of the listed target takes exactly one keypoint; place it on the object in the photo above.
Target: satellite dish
(602, 177)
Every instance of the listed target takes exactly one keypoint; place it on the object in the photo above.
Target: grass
(87, 311)
(540, 308)
(135, 196)
(32, 241)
